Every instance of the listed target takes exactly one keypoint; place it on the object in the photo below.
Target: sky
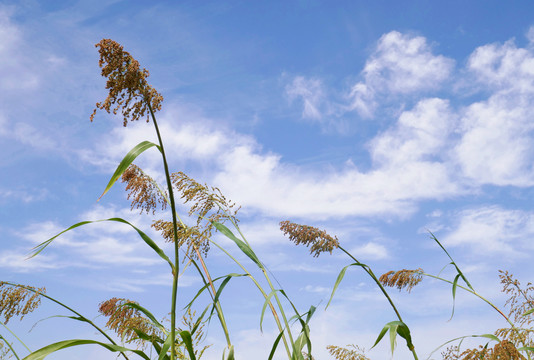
(375, 121)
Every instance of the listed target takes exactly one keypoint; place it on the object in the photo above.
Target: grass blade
(186, 338)
(49, 349)
(338, 281)
(275, 344)
(37, 249)
(454, 286)
(126, 161)
(247, 250)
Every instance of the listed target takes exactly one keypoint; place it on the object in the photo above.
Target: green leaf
(128, 159)
(166, 346)
(266, 302)
(231, 353)
(338, 281)
(186, 338)
(49, 349)
(395, 327)
(275, 344)
(454, 286)
(247, 250)
(488, 336)
(528, 312)
(147, 313)
(37, 249)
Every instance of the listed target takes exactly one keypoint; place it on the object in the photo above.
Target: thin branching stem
(212, 290)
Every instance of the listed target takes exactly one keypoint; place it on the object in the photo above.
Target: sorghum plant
(130, 93)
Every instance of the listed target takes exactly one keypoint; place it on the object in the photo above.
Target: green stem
(175, 235)
(218, 307)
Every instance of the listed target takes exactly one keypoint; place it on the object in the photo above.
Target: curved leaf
(37, 249)
(338, 281)
(275, 344)
(128, 159)
(247, 250)
(49, 349)
(395, 327)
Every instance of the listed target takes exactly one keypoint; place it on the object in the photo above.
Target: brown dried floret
(402, 279)
(192, 236)
(341, 353)
(208, 204)
(18, 300)
(504, 350)
(127, 84)
(318, 240)
(124, 320)
(143, 190)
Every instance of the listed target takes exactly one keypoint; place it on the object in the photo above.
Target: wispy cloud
(492, 230)
(310, 91)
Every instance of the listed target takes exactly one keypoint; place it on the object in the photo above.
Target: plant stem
(175, 235)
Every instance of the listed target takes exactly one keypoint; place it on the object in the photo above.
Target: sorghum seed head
(18, 300)
(402, 278)
(127, 84)
(318, 240)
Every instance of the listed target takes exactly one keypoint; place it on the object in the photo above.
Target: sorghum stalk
(175, 231)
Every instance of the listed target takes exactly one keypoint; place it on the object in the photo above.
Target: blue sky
(373, 120)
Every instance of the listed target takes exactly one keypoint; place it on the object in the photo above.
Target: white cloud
(496, 145)
(493, 230)
(401, 64)
(419, 134)
(262, 181)
(17, 261)
(371, 251)
(503, 67)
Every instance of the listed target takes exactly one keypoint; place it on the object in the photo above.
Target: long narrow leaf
(147, 313)
(166, 346)
(488, 336)
(49, 349)
(275, 344)
(126, 161)
(247, 250)
(37, 249)
(338, 281)
(454, 286)
(265, 304)
(186, 338)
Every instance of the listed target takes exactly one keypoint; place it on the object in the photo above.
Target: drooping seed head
(317, 240)
(402, 279)
(18, 300)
